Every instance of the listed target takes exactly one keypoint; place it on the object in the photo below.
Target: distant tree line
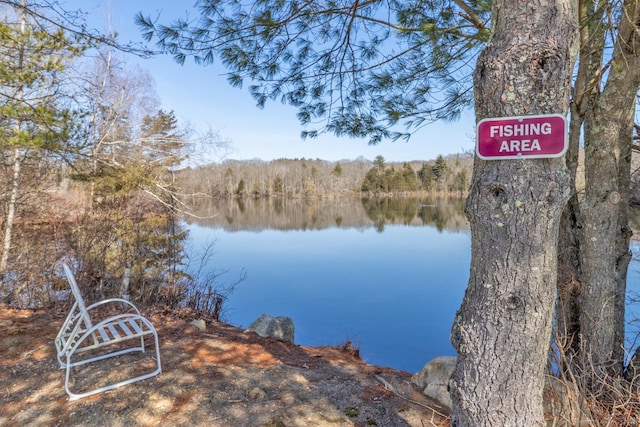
(433, 177)
(308, 178)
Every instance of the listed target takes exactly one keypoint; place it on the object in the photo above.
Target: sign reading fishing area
(533, 137)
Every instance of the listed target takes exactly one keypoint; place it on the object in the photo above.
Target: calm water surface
(386, 275)
(391, 288)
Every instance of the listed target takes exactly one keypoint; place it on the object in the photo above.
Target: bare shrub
(121, 247)
(207, 293)
(598, 395)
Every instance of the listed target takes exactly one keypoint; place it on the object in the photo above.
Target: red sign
(533, 137)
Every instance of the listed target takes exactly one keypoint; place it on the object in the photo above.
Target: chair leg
(76, 396)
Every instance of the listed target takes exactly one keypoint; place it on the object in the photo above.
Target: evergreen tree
(337, 170)
(409, 178)
(425, 176)
(439, 168)
(372, 181)
(514, 209)
(34, 111)
(161, 140)
(375, 69)
(460, 183)
(278, 186)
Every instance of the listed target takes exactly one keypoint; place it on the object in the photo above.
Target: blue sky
(201, 96)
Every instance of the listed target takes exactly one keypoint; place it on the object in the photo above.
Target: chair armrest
(111, 300)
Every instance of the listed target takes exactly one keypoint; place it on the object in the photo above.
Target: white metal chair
(81, 336)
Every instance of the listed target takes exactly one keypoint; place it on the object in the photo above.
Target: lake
(387, 275)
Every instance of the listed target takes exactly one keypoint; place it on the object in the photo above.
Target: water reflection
(387, 274)
(298, 214)
(443, 214)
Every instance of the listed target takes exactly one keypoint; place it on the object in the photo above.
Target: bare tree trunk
(569, 266)
(15, 185)
(605, 252)
(591, 39)
(11, 214)
(503, 327)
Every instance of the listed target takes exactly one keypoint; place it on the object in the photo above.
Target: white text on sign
(525, 136)
(522, 129)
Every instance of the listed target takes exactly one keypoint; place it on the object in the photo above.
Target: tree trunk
(570, 236)
(503, 327)
(15, 183)
(605, 251)
(591, 39)
(11, 213)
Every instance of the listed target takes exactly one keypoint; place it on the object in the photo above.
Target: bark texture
(605, 247)
(591, 42)
(503, 327)
(11, 214)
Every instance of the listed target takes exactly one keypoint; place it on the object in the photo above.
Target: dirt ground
(218, 377)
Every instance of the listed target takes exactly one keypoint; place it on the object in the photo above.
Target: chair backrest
(77, 294)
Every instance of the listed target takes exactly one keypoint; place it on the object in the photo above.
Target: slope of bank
(219, 377)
